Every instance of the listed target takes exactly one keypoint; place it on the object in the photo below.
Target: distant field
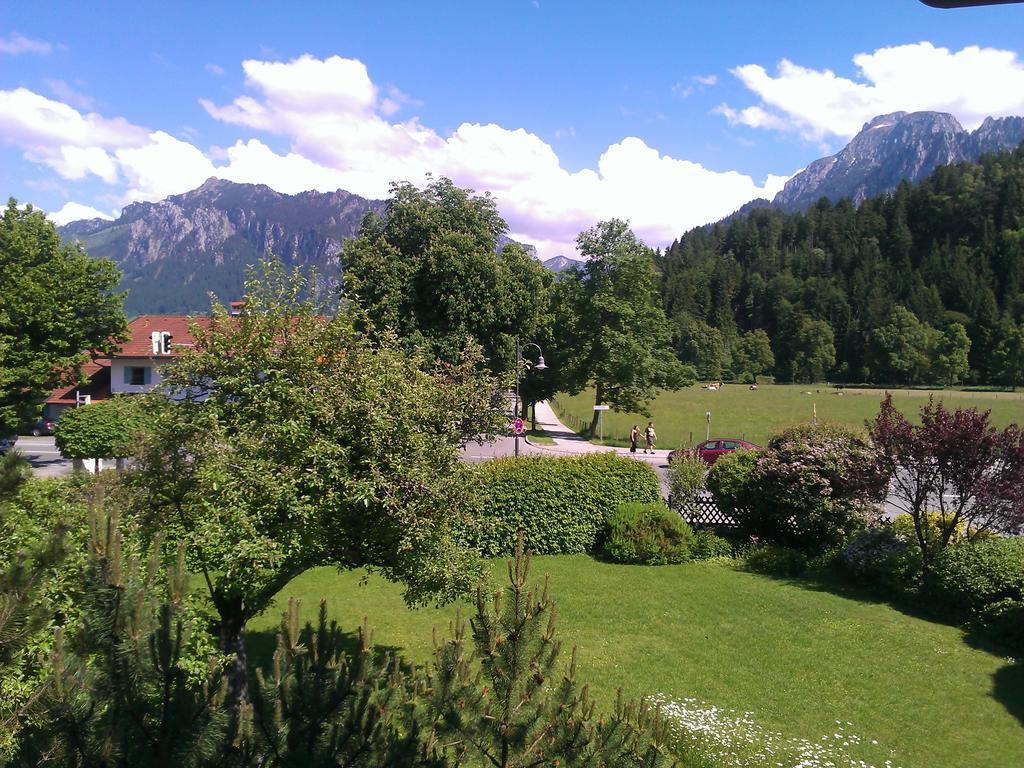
(738, 412)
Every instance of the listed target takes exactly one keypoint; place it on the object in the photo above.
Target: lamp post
(540, 366)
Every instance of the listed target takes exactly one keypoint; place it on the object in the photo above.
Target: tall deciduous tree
(431, 271)
(752, 354)
(56, 305)
(609, 308)
(297, 442)
(814, 351)
(949, 364)
(903, 347)
(1008, 359)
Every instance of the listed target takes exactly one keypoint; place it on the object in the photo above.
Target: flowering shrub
(884, 556)
(814, 486)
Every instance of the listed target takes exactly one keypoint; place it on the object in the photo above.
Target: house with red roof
(135, 367)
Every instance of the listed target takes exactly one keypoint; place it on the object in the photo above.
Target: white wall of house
(120, 374)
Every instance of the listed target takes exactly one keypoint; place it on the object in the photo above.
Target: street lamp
(540, 366)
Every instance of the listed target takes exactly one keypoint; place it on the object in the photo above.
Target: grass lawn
(798, 658)
(539, 437)
(737, 411)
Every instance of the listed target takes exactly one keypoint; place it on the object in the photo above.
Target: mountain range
(174, 252)
(894, 147)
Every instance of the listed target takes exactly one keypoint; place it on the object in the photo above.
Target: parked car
(6, 443)
(41, 427)
(710, 450)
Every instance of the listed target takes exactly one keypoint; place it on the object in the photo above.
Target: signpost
(519, 426)
(600, 417)
(707, 418)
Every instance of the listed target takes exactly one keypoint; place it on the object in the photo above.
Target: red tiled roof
(142, 327)
(98, 386)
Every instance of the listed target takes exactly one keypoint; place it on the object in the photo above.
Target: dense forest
(923, 285)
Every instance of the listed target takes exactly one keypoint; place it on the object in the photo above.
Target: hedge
(559, 502)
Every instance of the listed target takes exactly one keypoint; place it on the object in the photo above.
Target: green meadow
(737, 411)
(798, 656)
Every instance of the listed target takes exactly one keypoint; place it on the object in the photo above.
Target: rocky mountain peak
(894, 147)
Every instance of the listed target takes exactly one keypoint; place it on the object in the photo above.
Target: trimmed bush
(560, 502)
(730, 481)
(648, 534)
(106, 429)
(707, 545)
(972, 575)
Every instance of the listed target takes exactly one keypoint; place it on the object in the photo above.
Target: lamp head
(541, 365)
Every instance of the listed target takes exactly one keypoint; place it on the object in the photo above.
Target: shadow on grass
(1008, 689)
(1007, 682)
(260, 647)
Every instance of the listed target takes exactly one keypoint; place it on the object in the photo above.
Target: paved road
(44, 457)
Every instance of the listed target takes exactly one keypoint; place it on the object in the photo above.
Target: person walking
(634, 436)
(650, 436)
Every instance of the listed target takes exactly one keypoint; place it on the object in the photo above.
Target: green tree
(430, 270)
(752, 354)
(56, 306)
(903, 347)
(702, 346)
(949, 363)
(110, 428)
(621, 339)
(527, 713)
(1008, 359)
(298, 441)
(814, 350)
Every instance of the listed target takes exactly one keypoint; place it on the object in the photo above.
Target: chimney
(235, 308)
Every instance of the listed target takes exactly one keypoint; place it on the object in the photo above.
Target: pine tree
(121, 692)
(322, 707)
(498, 699)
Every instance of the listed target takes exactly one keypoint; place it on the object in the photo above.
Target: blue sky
(668, 114)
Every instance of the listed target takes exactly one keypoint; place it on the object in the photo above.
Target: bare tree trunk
(598, 400)
(232, 643)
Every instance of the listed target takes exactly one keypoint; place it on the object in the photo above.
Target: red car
(710, 450)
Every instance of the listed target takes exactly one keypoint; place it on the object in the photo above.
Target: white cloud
(336, 123)
(214, 69)
(163, 166)
(16, 43)
(972, 84)
(706, 80)
(75, 212)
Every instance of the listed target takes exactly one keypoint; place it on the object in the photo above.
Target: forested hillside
(920, 286)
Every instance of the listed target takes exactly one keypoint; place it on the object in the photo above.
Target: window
(729, 445)
(136, 375)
